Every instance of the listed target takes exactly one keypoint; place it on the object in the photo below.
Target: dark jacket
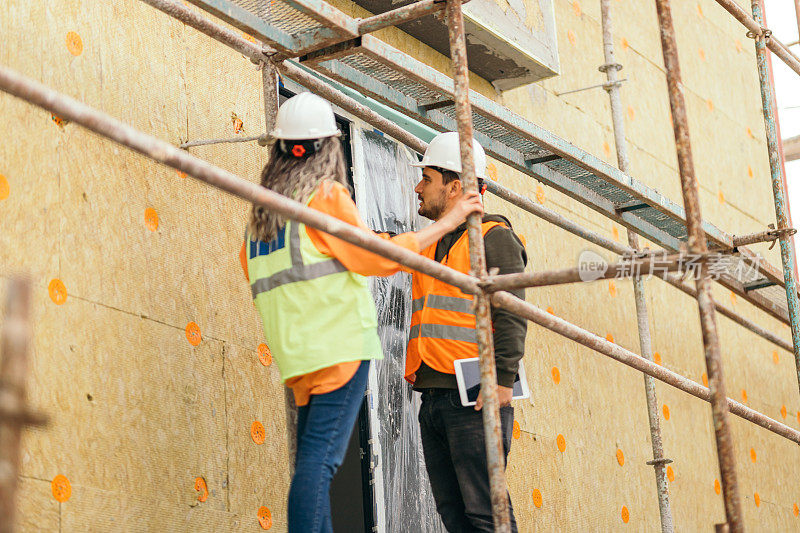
(505, 251)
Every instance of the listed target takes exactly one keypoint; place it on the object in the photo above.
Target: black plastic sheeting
(387, 203)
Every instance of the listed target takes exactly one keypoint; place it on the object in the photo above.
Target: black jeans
(455, 458)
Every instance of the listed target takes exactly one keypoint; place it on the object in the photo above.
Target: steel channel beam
(165, 153)
(698, 244)
(778, 180)
(477, 258)
(611, 68)
(235, 16)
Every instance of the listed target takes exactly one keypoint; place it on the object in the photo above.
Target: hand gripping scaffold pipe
(698, 244)
(477, 260)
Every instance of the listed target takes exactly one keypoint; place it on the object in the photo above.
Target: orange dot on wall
(732, 294)
(624, 43)
(710, 104)
(57, 291)
(749, 132)
(606, 149)
(193, 334)
(657, 358)
(550, 310)
(264, 517)
(665, 411)
(610, 337)
(757, 499)
(701, 53)
(182, 175)
(264, 354)
(798, 417)
(620, 457)
(561, 443)
(201, 488)
(612, 288)
(749, 171)
(61, 487)
(626, 515)
(631, 112)
(783, 411)
(571, 37)
(4, 188)
(556, 375)
(576, 8)
(753, 455)
(151, 219)
(615, 233)
(705, 379)
(670, 474)
(717, 486)
(516, 432)
(491, 169)
(537, 498)
(721, 196)
(796, 510)
(738, 45)
(540, 194)
(699, 10)
(744, 395)
(257, 432)
(74, 43)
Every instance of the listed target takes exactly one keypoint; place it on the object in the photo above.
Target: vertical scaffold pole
(491, 413)
(776, 171)
(659, 463)
(698, 245)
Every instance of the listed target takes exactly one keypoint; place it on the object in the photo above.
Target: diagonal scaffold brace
(477, 258)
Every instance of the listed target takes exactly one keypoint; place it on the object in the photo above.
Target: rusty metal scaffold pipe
(400, 15)
(477, 260)
(612, 68)
(698, 244)
(779, 195)
(755, 29)
(163, 152)
(635, 268)
(601, 345)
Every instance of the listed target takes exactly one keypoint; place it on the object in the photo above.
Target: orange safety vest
(442, 316)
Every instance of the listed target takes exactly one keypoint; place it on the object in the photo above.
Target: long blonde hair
(296, 178)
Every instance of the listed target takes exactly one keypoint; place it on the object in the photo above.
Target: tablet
(468, 377)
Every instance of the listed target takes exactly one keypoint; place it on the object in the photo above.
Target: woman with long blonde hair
(312, 295)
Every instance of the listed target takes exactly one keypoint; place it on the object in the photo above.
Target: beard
(432, 209)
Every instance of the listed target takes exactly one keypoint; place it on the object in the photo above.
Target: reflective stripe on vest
(446, 303)
(442, 331)
(298, 271)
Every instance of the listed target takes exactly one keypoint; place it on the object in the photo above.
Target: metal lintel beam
(542, 159)
(758, 284)
(247, 22)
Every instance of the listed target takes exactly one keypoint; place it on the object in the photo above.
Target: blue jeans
(324, 427)
(455, 458)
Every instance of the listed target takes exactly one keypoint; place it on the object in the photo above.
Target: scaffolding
(331, 48)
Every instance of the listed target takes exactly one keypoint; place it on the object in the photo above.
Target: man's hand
(503, 396)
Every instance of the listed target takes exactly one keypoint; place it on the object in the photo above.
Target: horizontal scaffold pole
(163, 152)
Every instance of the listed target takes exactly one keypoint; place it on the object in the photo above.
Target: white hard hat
(305, 116)
(444, 152)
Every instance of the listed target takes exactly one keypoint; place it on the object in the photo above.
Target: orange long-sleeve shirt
(333, 199)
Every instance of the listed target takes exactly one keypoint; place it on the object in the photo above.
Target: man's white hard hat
(305, 116)
(444, 152)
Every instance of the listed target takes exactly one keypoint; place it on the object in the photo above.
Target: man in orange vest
(443, 330)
